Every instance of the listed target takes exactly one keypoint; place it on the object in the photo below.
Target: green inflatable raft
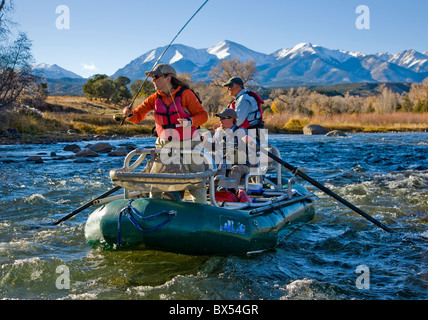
(135, 221)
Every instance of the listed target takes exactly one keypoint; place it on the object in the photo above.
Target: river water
(339, 255)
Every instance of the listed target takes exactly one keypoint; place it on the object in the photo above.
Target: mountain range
(303, 64)
(53, 71)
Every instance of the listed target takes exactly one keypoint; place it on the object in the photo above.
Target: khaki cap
(162, 68)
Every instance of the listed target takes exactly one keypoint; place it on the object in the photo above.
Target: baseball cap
(228, 113)
(233, 80)
(162, 68)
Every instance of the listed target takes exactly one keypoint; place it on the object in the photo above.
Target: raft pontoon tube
(135, 221)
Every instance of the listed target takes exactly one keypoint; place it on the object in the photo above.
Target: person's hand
(216, 126)
(185, 122)
(127, 112)
(206, 137)
(248, 140)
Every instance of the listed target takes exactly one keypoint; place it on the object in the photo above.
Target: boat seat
(257, 174)
(159, 182)
(169, 181)
(224, 182)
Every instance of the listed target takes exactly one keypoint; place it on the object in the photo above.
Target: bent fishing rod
(120, 118)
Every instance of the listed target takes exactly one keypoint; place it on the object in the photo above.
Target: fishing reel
(118, 117)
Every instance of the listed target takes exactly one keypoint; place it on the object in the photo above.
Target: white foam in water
(26, 260)
(82, 296)
(308, 289)
(35, 198)
(387, 179)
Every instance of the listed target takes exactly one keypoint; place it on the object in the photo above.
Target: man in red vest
(247, 104)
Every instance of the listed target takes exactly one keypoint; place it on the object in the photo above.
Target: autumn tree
(418, 97)
(15, 59)
(233, 68)
(15, 69)
(211, 96)
(5, 22)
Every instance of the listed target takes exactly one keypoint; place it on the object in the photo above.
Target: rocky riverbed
(13, 136)
(78, 154)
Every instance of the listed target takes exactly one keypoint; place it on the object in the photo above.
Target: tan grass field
(98, 119)
(370, 122)
(86, 117)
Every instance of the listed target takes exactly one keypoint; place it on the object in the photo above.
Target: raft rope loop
(131, 211)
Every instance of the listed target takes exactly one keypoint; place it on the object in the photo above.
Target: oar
(325, 189)
(87, 205)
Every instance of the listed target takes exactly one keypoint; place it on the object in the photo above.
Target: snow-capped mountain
(231, 50)
(183, 58)
(53, 71)
(304, 50)
(409, 59)
(305, 63)
(186, 59)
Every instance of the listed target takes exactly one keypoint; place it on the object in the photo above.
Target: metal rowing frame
(279, 195)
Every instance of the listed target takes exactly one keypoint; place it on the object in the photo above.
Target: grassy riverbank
(76, 118)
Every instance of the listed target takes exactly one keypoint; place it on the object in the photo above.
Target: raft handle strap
(131, 211)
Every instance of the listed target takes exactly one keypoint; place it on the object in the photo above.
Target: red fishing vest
(166, 118)
(259, 100)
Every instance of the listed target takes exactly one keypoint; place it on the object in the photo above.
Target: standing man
(178, 112)
(247, 104)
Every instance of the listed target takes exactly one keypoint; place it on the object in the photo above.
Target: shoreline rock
(101, 147)
(336, 133)
(312, 129)
(57, 137)
(87, 153)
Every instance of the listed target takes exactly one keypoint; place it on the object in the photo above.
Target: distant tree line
(311, 103)
(306, 102)
(299, 100)
(117, 90)
(19, 86)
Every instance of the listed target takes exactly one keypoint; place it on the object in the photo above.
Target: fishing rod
(120, 118)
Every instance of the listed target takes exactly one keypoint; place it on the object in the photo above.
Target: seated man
(233, 155)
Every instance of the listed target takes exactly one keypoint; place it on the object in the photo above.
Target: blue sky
(105, 35)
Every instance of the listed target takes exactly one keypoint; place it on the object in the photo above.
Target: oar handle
(87, 205)
(325, 189)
